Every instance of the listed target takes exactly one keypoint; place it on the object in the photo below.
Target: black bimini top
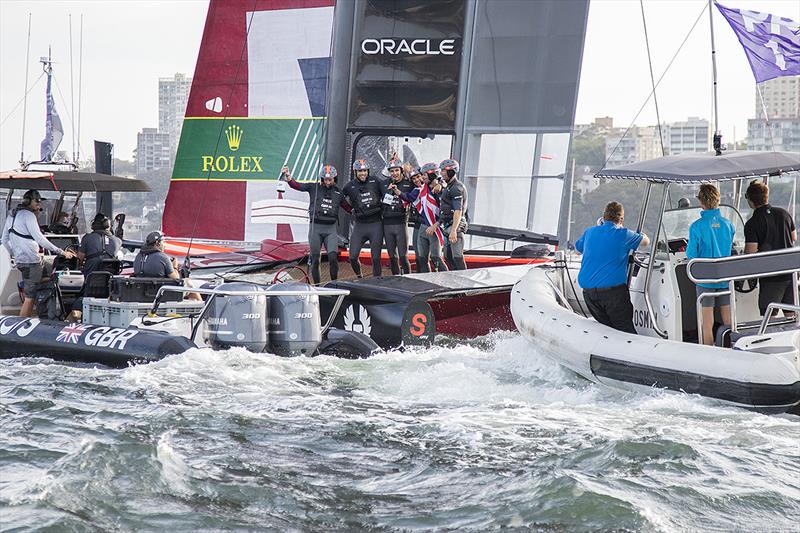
(697, 167)
(70, 181)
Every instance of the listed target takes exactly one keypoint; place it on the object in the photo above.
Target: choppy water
(466, 438)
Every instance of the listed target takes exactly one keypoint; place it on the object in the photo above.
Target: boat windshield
(676, 223)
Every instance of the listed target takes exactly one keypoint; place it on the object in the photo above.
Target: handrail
(743, 257)
(768, 314)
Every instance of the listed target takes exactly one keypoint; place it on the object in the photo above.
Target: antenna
(25, 97)
(72, 89)
(714, 77)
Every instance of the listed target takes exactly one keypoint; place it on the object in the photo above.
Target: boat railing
(774, 306)
(741, 267)
(215, 292)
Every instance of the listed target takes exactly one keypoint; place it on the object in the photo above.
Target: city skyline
(122, 66)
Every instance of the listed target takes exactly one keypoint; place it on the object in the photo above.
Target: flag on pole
(428, 207)
(54, 132)
(771, 43)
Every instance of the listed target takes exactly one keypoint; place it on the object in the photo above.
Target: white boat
(754, 363)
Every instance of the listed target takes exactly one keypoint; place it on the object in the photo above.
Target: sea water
(463, 437)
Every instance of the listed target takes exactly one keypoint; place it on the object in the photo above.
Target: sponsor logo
(247, 164)
(358, 322)
(215, 321)
(20, 326)
(641, 319)
(410, 47)
(105, 337)
(71, 333)
(234, 135)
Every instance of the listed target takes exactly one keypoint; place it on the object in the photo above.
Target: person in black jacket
(395, 218)
(364, 193)
(323, 213)
(453, 203)
(98, 246)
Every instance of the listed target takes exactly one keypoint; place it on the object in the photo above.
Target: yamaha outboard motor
(294, 325)
(238, 320)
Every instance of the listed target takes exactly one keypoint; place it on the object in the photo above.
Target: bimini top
(696, 167)
(70, 181)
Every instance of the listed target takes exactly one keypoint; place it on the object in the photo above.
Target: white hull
(764, 374)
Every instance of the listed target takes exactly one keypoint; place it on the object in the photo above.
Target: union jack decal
(71, 333)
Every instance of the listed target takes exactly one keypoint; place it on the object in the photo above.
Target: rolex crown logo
(234, 136)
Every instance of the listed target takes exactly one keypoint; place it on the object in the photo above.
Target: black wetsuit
(365, 197)
(323, 213)
(395, 219)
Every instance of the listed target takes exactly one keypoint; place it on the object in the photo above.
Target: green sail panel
(247, 149)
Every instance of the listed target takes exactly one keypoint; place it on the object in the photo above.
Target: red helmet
(360, 164)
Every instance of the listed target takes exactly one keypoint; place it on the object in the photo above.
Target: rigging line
(652, 78)
(669, 65)
(72, 86)
(80, 86)
(32, 87)
(25, 95)
(221, 129)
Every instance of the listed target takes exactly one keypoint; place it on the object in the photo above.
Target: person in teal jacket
(711, 236)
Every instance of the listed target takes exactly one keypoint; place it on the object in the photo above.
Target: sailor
(62, 225)
(414, 219)
(323, 214)
(453, 202)
(603, 274)
(363, 193)
(395, 217)
(429, 238)
(22, 238)
(98, 246)
(769, 228)
(711, 236)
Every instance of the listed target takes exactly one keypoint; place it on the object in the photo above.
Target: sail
(257, 102)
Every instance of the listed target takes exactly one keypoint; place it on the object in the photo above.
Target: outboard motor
(238, 320)
(294, 325)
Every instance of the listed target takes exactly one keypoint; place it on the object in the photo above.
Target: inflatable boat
(754, 362)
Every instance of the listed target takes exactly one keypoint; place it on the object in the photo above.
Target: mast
(25, 94)
(717, 136)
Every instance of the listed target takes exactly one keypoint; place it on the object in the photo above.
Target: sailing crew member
(414, 220)
(453, 202)
(395, 217)
(429, 237)
(604, 268)
(363, 193)
(769, 228)
(22, 238)
(152, 262)
(323, 214)
(98, 246)
(711, 236)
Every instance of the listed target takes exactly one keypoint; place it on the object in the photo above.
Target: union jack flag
(71, 333)
(428, 207)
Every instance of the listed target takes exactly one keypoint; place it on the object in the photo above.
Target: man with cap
(323, 214)
(395, 217)
(22, 238)
(363, 193)
(152, 262)
(453, 216)
(98, 246)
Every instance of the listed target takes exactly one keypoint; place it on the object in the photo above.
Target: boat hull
(767, 380)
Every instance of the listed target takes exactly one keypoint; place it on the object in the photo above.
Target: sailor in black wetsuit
(323, 213)
(395, 217)
(364, 193)
(453, 203)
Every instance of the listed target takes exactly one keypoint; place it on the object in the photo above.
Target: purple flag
(771, 43)
(53, 132)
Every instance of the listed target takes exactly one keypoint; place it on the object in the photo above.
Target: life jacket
(324, 206)
(365, 197)
(110, 247)
(446, 202)
(398, 210)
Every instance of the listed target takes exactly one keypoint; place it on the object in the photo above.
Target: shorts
(31, 277)
(719, 301)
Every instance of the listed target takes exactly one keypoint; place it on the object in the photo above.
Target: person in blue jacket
(711, 236)
(604, 268)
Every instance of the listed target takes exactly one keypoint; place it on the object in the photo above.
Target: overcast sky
(127, 46)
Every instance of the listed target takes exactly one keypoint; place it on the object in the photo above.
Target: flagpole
(713, 66)
(25, 97)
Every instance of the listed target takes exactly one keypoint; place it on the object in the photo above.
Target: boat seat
(97, 284)
(727, 338)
